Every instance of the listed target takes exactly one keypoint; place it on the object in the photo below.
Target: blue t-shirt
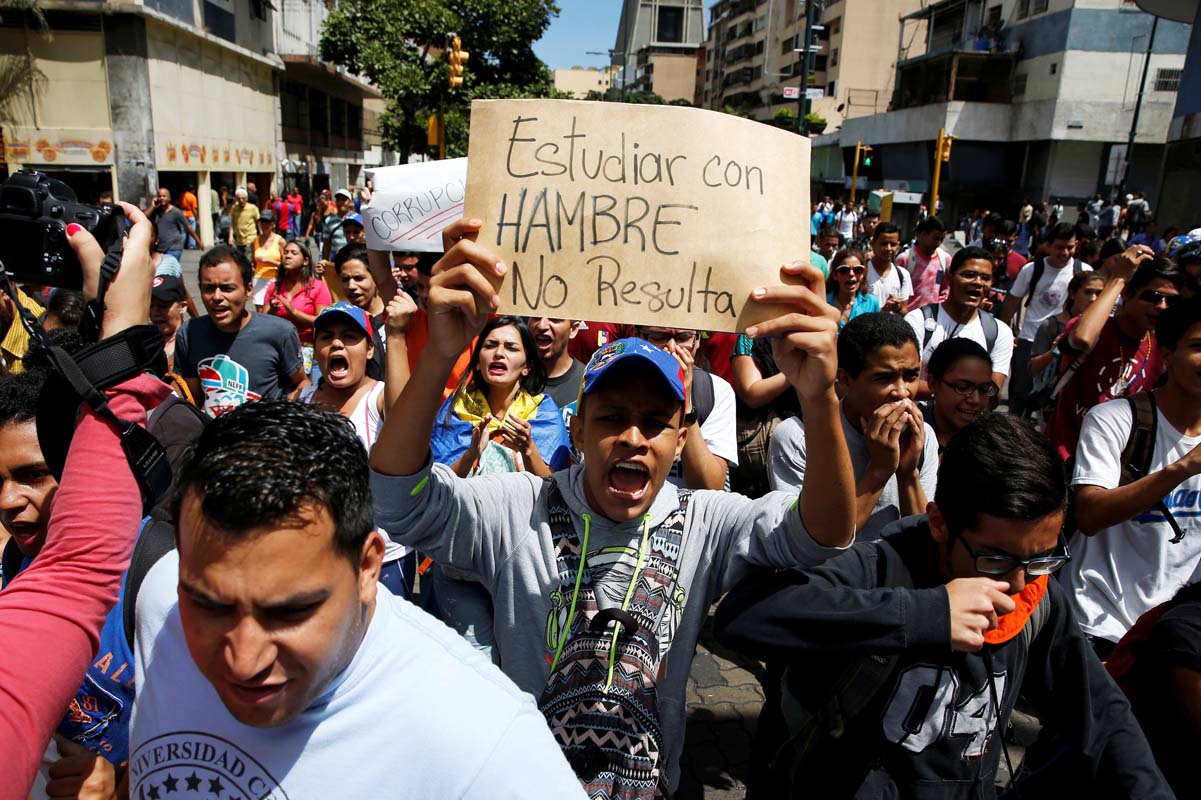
(862, 304)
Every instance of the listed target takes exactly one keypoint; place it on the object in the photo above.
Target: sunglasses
(850, 270)
(1156, 298)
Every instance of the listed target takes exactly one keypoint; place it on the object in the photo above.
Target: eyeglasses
(849, 270)
(1004, 563)
(966, 388)
(661, 338)
(971, 276)
(1156, 298)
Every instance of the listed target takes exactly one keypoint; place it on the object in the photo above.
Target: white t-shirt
(896, 282)
(417, 714)
(787, 462)
(845, 220)
(718, 430)
(367, 423)
(1049, 295)
(943, 328)
(1129, 568)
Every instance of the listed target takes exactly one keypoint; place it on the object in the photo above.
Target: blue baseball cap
(354, 217)
(356, 314)
(633, 348)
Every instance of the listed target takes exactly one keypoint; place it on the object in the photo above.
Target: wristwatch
(690, 417)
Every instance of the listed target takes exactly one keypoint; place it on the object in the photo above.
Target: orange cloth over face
(1025, 601)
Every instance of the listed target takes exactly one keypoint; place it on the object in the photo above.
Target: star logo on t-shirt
(211, 768)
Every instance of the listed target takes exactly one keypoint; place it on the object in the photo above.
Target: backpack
(1040, 266)
(987, 321)
(1136, 212)
(600, 699)
(1139, 449)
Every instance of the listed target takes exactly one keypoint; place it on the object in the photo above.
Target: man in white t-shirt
(270, 662)
(961, 316)
(891, 284)
(1126, 559)
(1042, 287)
(706, 459)
(846, 219)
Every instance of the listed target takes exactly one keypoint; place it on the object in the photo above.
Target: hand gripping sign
(659, 215)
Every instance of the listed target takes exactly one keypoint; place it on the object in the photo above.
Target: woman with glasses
(960, 378)
(847, 289)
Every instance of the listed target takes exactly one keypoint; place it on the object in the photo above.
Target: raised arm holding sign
(635, 214)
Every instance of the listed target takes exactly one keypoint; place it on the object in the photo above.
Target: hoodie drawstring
(646, 527)
(575, 593)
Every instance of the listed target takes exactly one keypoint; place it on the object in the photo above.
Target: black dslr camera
(35, 211)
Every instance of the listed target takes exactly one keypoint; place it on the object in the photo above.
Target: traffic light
(944, 148)
(867, 156)
(458, 57)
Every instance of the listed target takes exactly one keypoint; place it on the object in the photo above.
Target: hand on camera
(127, 300)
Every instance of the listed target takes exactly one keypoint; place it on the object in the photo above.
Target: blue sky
(582, 25)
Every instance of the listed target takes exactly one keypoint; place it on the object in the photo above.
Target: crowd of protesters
(418, 549)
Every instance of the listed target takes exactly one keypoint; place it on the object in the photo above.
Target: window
(1038, 7)
(1023, 9)
(671, 24)
(258, 9)
(993, 18)
(1019, 84)
(834, 57)
(1054, 68)
(835, 25)
(1168, 80)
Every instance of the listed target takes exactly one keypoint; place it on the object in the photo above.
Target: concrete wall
(675, 76)
(213, 108)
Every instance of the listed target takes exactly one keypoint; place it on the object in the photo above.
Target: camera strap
(86, 374)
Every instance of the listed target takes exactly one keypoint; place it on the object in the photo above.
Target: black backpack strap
(989, 323)
(156, 539)
(702, 395)
(10, 562)
(1040, 266)
(1140, 449)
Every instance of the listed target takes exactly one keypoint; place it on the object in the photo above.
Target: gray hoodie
(497, 526)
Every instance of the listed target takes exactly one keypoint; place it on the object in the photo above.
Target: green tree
(399, 45)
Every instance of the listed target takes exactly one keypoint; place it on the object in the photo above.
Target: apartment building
(657, 45)
(1041, 96)
(579, 81)
(755, 53)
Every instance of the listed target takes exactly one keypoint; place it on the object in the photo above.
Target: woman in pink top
(298, 296)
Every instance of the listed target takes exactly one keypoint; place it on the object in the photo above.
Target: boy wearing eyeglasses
(960, 315)
(908, 653)
(894, 451)
(1107, 353)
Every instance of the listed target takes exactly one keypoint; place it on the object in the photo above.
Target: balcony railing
(971, 76)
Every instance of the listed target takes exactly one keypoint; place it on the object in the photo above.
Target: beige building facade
(579, 81)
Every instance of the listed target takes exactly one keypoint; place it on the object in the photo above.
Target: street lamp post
(610, 54)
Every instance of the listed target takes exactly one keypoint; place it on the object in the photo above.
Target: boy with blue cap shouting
(603, 574)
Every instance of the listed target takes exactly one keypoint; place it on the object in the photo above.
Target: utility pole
(942, 154)
(1138, 107)
(811, 12)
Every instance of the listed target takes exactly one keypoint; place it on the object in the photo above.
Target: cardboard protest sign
(659, 215)
(412, 203)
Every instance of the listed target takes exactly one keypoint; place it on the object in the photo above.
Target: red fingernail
(73, 229)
